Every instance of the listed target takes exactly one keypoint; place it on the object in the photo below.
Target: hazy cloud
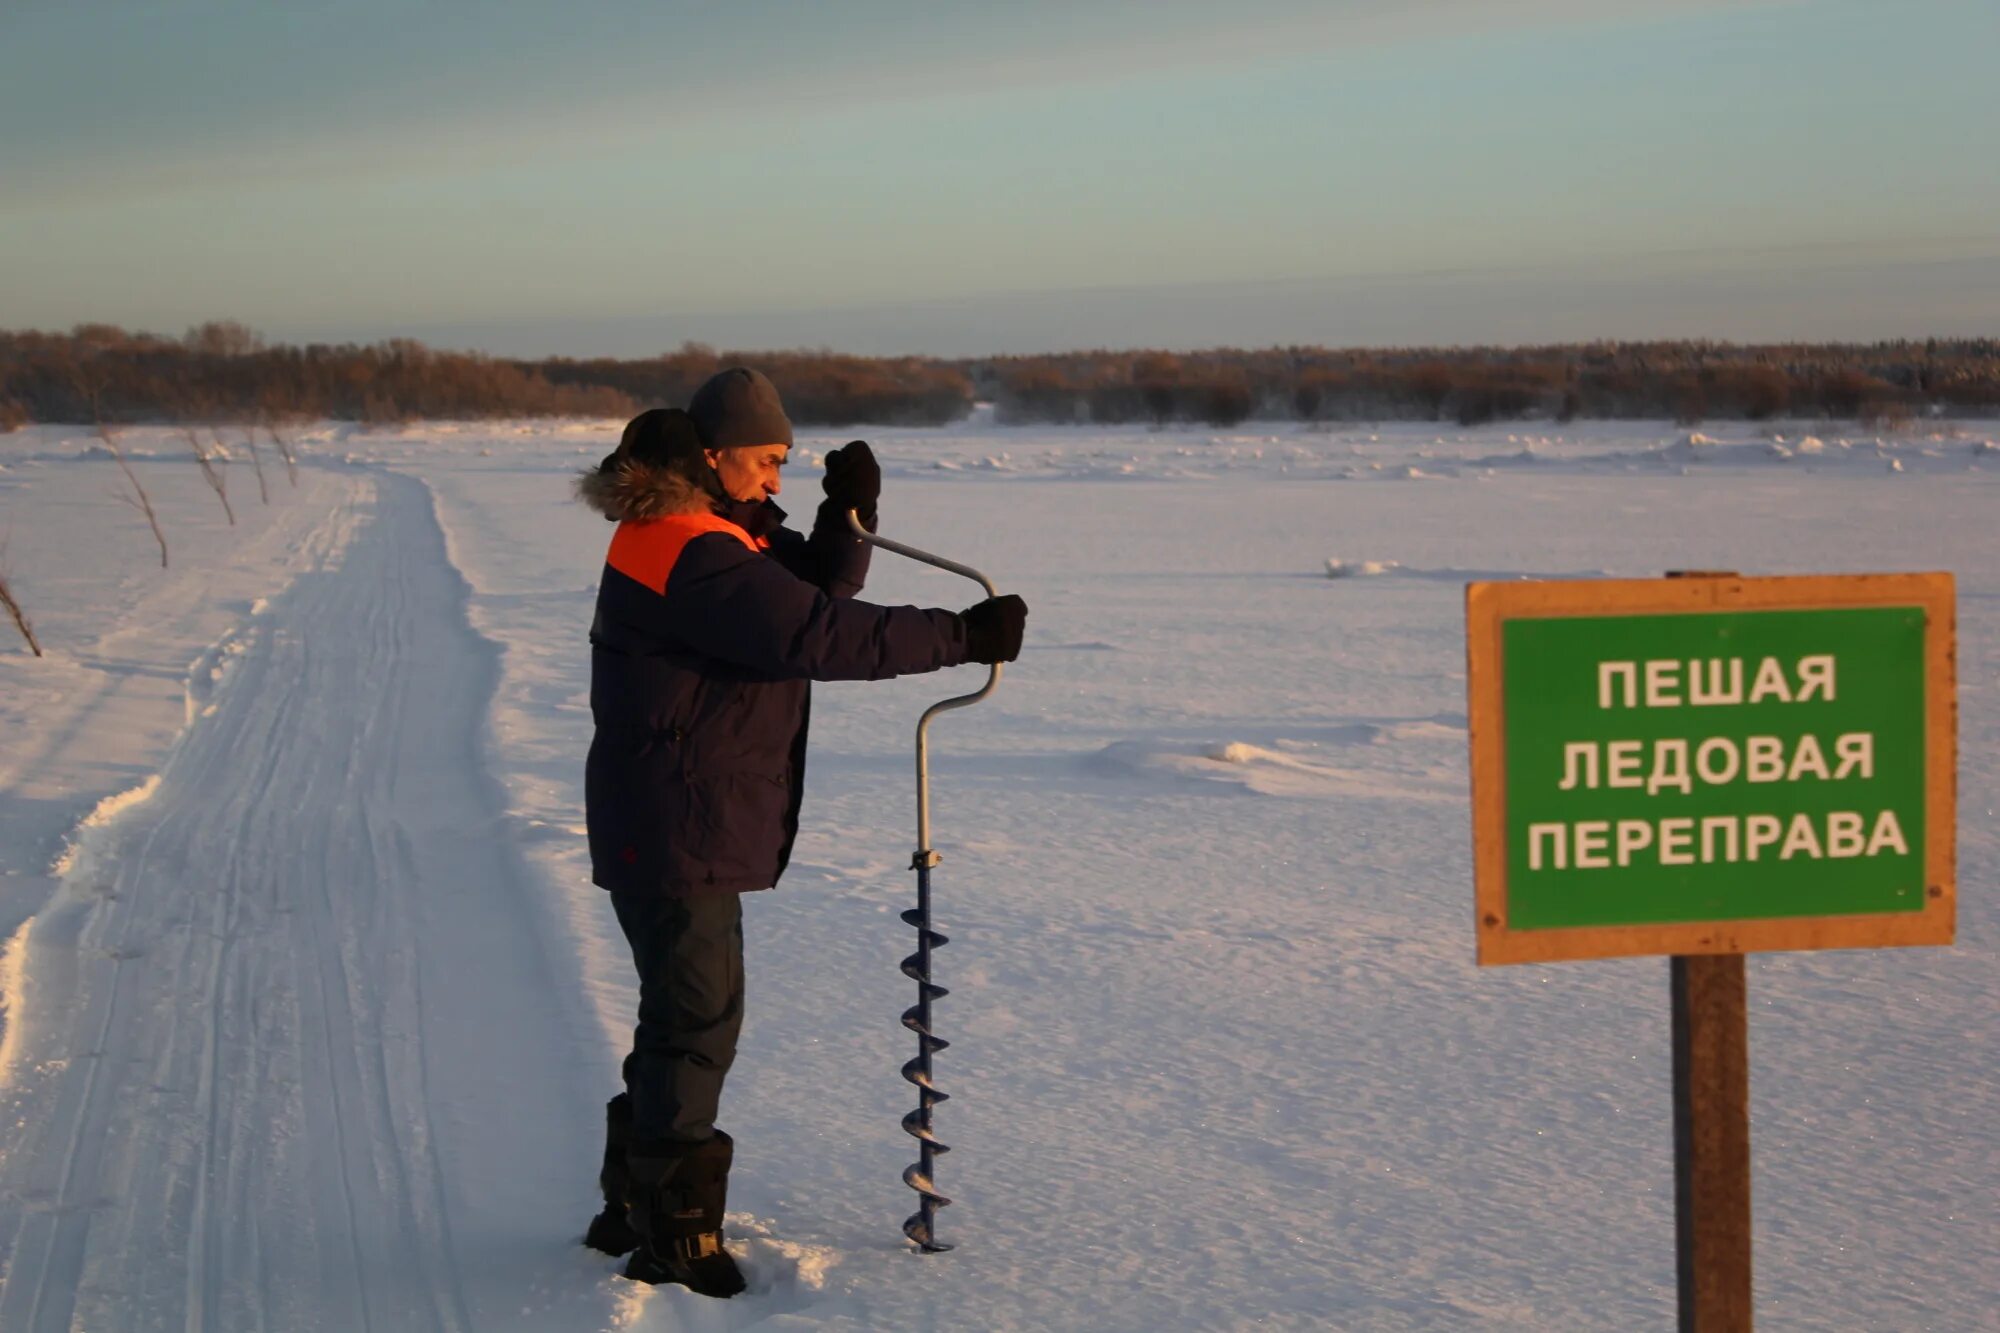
(105, 99)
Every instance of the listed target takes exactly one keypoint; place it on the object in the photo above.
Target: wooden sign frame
(1489, 605)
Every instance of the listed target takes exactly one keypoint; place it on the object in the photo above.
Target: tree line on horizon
(224, 372)
(1688, 381)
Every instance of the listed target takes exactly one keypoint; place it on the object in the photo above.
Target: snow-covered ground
(310, 1010)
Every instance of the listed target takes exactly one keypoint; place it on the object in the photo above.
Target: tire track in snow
(305, 1068)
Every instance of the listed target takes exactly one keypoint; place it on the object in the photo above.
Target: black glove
(854, 479)
(993, 629)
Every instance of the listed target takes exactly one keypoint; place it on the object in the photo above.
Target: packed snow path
(285, 1058)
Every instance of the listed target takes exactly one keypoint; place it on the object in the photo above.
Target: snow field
(318, 1035)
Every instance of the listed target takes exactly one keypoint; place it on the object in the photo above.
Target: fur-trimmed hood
(628, 490)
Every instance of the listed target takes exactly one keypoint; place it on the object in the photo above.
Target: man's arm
(726, 601)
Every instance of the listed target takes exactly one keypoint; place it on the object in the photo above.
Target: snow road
(263, 1080)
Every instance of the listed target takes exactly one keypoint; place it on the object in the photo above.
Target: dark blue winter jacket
(708, 632)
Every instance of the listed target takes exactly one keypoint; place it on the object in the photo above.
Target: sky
(890, 176)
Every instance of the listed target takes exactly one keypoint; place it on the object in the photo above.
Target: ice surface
(318, 1034)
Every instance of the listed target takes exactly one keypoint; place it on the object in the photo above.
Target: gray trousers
(689, 952)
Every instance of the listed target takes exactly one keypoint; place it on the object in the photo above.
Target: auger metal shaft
(921, 1226)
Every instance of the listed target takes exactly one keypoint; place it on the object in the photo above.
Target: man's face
(749, 471)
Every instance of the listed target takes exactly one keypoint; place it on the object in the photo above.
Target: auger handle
(943, 705)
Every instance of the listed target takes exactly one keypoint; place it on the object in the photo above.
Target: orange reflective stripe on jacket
(647, 552)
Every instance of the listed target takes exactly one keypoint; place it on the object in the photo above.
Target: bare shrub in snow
(211, 473)
(193, 407)
(272, 420)
(136, 496)
(20, 617)
(257, 462)
(91, 390)
(14, 610)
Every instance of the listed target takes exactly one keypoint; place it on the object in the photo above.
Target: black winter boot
(678, 1193)
(611, 1230)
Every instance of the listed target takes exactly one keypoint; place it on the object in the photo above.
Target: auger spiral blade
(915, 1019)
(913, 968)
(918, 1072)
(918, 1228)
(921, 1226)
(913, 1125)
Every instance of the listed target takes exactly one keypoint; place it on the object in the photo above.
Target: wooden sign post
(1702, 767)
(1711, 1044)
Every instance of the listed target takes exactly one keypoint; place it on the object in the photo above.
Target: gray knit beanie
(739, 406)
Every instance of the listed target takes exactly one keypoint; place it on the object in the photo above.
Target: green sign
(1712, 764)
(1714, 767)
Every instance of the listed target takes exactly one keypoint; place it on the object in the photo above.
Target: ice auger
(921, 1226)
